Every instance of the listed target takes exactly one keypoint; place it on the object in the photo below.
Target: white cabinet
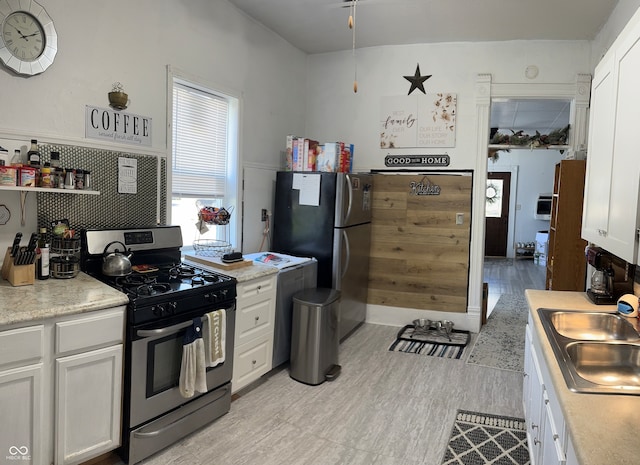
(21, 394)
(61, 388)
(88, 386)
(610, 212)
(547, 437)
(255, 314)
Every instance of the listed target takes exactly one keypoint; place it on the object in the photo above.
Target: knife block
(17, 275)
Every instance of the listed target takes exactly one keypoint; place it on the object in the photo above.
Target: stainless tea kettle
(116, 263)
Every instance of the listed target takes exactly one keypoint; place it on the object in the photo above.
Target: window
(204, 163)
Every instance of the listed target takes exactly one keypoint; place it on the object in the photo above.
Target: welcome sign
(117, 126)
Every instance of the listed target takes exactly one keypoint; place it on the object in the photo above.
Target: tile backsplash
(109, 209)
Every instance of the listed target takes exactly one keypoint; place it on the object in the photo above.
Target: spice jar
(45, 176)
(79, 179)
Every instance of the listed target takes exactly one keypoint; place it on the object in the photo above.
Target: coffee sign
(117, 126)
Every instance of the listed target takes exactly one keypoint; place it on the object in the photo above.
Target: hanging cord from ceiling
(352, 26)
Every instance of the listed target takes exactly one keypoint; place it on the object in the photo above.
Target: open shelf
(47, 189)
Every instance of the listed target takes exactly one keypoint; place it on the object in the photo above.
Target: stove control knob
(158, 310)
(173, 306)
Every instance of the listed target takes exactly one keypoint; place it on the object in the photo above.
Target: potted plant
(118, 98)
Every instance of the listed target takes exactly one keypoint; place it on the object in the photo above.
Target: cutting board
(218, 263)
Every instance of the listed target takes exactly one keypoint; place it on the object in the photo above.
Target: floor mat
(431, 342)
(481, 438)
(500, 343)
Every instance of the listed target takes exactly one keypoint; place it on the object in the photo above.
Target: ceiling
(318, 26)
(529, 115)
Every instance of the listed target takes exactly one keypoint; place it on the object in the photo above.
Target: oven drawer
(95, 330)
(251, 361)
(21, 345)
(256, 287)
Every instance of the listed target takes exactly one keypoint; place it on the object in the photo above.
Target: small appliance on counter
(612, 277)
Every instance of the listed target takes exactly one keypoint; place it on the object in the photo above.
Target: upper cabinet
(610, 214)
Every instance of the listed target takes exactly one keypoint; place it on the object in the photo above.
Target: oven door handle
(163, 331)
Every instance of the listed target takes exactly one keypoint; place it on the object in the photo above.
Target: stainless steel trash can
(315, 336)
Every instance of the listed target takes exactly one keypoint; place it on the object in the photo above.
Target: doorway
(497, 201)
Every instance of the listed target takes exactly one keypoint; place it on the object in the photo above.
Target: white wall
(618, 19)
(133, 42)
(336, 113)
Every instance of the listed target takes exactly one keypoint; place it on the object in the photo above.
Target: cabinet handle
(533, 425)
(253, 362)
(555, 437)
(524, 375)
(546, 401)
(536, 441)
(257, 318)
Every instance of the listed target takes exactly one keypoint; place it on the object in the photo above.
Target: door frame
(578, 91)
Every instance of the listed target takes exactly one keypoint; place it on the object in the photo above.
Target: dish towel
(193, 371)
(215, 328)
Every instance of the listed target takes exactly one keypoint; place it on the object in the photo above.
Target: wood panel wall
(419, 255)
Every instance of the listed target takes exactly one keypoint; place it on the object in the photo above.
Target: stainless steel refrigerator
(328, 216)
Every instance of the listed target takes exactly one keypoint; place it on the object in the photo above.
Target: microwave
(543, 207)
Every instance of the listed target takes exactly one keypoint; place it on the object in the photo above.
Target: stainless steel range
(165, 296)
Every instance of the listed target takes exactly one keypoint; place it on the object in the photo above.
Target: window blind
(199, 164)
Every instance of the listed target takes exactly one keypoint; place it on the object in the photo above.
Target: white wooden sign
(418, 121)
(117, 126)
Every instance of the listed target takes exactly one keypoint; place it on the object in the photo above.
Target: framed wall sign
(418, 121)
(117, 126)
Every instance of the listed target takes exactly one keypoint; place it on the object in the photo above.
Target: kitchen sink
(597, 352)
(590, 326)
(606, 364)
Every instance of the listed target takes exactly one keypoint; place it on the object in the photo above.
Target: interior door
(497, 214)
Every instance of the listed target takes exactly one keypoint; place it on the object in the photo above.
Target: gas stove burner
(135, 280)
(182, 271)
(153, 288)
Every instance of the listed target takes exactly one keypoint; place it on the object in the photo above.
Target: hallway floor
(510, 276)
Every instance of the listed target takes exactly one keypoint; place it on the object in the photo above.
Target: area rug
(481, 438)
(500, 343)
(431, 342)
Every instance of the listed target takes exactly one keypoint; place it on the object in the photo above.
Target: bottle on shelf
(42, 264)
(55, 160)
(33, 155)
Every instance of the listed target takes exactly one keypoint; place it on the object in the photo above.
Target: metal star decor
(417, 81)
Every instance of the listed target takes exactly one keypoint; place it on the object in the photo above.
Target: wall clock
(28, 40)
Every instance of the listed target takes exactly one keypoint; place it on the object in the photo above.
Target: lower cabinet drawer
(251, 361)
(21, 346)
(83, 333)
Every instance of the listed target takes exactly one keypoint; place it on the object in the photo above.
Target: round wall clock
(28, 40)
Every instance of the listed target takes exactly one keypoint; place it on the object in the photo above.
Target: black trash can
(315, 336)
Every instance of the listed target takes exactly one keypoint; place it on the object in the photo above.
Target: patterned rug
(500, 343)
(480, 438)
(431, 342)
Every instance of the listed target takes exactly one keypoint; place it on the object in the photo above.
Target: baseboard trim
(398, 316)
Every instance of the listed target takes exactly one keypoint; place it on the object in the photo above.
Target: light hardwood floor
(386, 408)
(509, 276)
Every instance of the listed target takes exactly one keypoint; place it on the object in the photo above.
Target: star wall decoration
(417, 81)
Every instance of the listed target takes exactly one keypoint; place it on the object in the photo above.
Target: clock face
(23, 36)
(28, 39)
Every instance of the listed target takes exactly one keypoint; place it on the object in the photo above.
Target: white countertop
(55, 297)
(604, 428)
(247, 273)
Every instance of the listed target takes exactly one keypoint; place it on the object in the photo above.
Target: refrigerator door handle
(349, 187)
(347, 253)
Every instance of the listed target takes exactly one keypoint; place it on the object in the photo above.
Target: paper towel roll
(628, 305)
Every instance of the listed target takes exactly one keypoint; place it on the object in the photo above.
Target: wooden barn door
(419, 253)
